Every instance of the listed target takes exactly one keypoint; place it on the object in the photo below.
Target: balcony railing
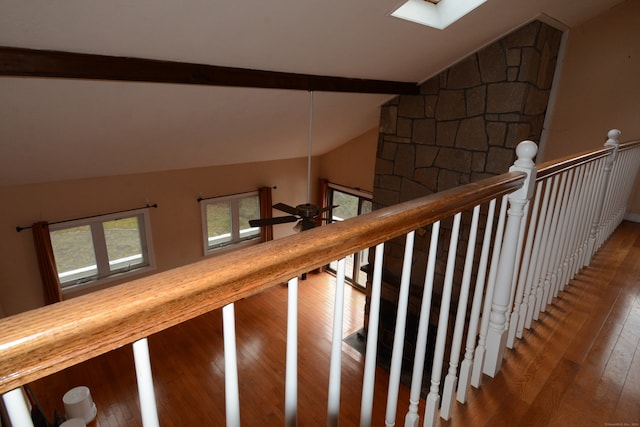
(524, 235)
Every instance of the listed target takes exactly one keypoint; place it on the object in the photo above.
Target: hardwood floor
(578, 366)
(188, 366)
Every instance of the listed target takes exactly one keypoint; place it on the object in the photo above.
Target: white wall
(176, 223)
(599, 86)
(352, 164)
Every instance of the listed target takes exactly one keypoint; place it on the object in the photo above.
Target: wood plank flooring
(578, 366)
(188, 366)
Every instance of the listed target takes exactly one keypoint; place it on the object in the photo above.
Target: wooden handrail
(629, 145)
(553, 167)
(46, 340)
(556, 166)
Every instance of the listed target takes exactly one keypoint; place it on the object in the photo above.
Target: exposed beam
(57, 64)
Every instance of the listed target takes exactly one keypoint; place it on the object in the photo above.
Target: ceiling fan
(306, 214)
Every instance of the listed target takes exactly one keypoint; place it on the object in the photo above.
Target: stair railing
(512, 264)
(578, 202)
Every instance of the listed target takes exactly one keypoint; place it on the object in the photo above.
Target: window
(350, 203)
(225, 220)
(101, 248)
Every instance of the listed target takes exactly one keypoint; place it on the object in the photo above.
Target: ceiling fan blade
(286, 208)
(272, 221)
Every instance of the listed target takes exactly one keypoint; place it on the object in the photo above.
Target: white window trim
(349, 190)
(352, 276)
(102, 259)
(237, 241)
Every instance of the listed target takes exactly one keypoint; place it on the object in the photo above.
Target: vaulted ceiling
(60, 128)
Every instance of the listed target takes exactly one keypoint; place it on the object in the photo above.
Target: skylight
(439, 15)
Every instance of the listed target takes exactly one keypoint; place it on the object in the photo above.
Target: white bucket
(79, 404)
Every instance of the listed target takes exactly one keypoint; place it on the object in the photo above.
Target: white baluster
(545, 247)
(145, 384)
(16, 404)
(630, 170)
(368, 381)
(608, 199)
(478, 359)
(612, 141)
(398, 336)
(433, 398)
(542, 231)
(578, 222)
(291, 370)
(526, 271)
(611, 205)
(594, 171)
(599, 175)
(517, 291)
(333, 405)
(412, 418)
(575, 217)
(563, 226)
(615, 203)
(474, 317)
(549, 242)
(624, 169)
(231, 391)
(555, 240)
(496, 337)
(451, 379)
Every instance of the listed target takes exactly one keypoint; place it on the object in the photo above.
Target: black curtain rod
(348, 187)
(155, 205)
(200, 198)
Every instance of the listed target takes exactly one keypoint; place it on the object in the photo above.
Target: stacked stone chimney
(463, 127)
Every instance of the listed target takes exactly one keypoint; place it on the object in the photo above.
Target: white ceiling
(55, 129)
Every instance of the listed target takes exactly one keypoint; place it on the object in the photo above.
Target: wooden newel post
(497, 333)
(612, 141)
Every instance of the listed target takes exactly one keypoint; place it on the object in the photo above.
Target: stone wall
(463, 127)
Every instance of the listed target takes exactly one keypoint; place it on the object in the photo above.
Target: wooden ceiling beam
(57, 64)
